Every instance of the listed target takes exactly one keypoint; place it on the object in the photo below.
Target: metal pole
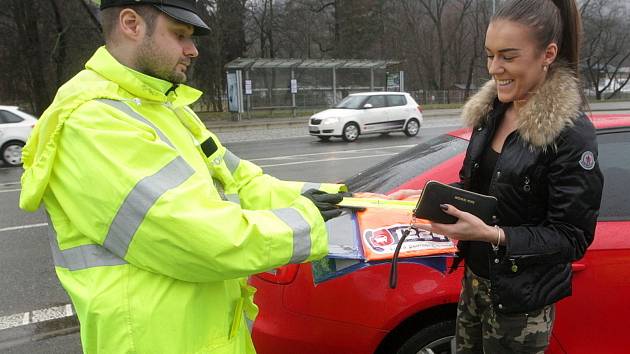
(249, 102)
(292, 94)
(371, 79)
(494, 6)
(334, 84)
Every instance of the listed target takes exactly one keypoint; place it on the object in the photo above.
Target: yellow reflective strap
(378, 203)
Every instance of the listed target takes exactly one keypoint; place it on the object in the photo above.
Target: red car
(359, 313)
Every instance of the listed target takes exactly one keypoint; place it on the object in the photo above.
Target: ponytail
(571, 37)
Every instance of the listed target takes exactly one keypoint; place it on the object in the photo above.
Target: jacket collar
(139, 85)
(555, 106)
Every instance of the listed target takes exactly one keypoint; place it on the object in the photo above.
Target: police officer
(154, 224)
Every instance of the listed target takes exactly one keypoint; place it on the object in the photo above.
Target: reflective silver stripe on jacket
(121, 106)
(80, 257)
(234, 198)
(250, 324)
(138, 202)
(309, 185)
(219, 188)
(301, 233)
(145, 193)
(231, 161)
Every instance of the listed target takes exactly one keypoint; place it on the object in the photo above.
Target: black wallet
(436, 193)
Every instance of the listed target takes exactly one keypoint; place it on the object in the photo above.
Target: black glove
(325, 202)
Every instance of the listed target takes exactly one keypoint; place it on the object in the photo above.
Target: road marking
(25, 318)
(9, 183)
(331, 152)
(10, 190)
(13, 228)
(324, 160)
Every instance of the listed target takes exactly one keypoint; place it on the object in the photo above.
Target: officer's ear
(131, 25)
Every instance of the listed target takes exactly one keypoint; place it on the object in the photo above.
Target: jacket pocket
(238, 319)
(529, 287)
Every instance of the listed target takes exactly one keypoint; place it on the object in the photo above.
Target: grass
(287, 112)
(257, 114)
(304, 112)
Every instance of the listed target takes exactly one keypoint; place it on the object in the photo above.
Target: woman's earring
(545, 67)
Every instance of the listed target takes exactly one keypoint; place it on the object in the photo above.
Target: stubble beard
(152, 62)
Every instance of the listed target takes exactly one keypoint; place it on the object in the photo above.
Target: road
(34, 313)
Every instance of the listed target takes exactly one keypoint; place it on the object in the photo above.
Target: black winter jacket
(548, 185)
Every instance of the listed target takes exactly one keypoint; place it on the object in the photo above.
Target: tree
(45, 42)
(606, 49)
(226, 42)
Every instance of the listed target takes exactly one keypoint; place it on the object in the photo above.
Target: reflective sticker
(587, 161)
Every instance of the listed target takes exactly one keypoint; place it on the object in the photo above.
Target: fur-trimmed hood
(555, 106)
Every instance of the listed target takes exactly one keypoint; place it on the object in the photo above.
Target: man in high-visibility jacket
(155, 225)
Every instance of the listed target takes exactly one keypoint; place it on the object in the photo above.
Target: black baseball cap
(181, 10)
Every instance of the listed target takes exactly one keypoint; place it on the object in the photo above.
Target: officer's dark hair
(551, 21)
(109, 18)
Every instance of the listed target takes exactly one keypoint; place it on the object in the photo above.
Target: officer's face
(515, 61)
(168, 51)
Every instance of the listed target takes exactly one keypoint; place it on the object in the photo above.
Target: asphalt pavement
(275, 128)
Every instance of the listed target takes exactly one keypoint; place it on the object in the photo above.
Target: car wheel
(433, 339)
(350, 132)
(412, 127)
(12, 153)
(324, 137)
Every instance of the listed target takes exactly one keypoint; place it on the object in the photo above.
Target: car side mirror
(367, 105)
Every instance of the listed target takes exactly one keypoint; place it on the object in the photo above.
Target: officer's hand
(325, 202)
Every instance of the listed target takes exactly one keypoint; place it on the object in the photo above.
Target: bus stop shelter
(262, 83)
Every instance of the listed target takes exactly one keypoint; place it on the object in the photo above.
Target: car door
(397, 111)
(374, 117)
(595, 318)
(10, 127)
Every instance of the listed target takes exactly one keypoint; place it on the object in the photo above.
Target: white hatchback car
(368, 112)
(15, 127)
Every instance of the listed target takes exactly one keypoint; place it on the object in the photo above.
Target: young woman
(535, 150)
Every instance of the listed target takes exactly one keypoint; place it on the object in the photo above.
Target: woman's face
(514, 60)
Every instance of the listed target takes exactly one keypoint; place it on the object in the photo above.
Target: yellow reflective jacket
(154, 224)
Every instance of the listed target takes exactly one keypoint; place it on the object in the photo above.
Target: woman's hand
(405, 193)
(468, 227)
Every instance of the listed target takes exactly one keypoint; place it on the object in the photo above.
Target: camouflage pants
(480, 329)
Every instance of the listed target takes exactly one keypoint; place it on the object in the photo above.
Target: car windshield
(351, 102)
(406, 165)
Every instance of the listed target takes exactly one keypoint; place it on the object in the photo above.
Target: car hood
(335, 112)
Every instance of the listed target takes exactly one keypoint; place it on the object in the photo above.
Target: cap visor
(186, 16)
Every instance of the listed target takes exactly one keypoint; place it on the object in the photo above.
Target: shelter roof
(266, 63)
